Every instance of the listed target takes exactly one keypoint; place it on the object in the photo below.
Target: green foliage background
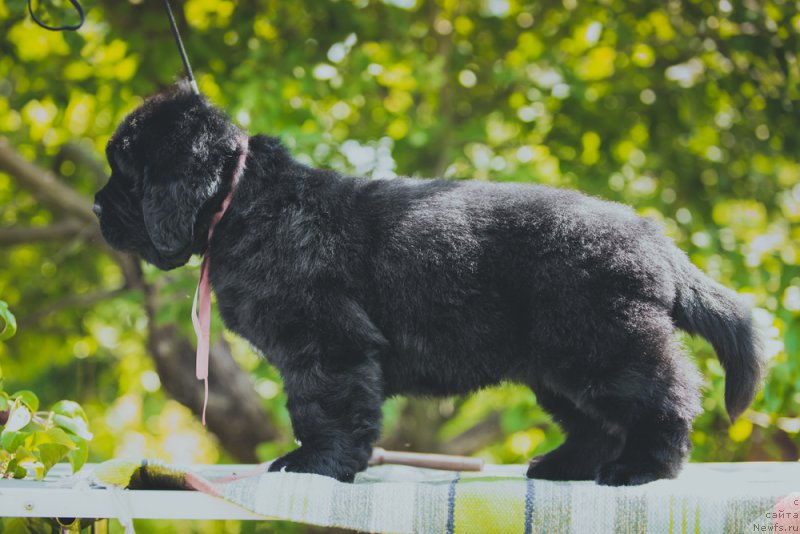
(687, 110)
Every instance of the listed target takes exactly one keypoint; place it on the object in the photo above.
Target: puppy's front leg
(336, 416)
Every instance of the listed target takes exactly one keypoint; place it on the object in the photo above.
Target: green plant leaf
(53, 435)
(70, 409)
(49, 454)
(20, 416)
(10, 322)
(26, 525)
(23, 454)
(16, 525)
(78, 456)
(29, 398)
(12, 467)
(20, 472)
(792, 338)
(10, 440)
(74, 425)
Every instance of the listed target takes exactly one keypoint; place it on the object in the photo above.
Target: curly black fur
(357, 290)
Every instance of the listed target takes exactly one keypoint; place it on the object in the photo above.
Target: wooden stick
(431, 461)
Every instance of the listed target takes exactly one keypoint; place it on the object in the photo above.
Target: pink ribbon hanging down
(201, 307)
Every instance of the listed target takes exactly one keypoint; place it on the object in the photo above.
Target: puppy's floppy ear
(183, 171)
(171, 207)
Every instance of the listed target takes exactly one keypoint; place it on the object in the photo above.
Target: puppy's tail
(718, 314)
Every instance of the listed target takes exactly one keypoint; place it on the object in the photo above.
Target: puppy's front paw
(627, 474)
(555, 466)
(318, 462)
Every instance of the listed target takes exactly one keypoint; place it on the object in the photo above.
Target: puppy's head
(171, 161)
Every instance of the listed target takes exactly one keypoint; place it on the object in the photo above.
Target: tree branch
(62, 199)
(82, 158)
(235, 414)
(44, 186)
(72, 301)
(446, 113)
(417, 427)
(476, 438)
(67, 229)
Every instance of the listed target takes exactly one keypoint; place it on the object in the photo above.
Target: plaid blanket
(744, 497)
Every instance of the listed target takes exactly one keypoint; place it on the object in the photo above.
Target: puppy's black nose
(97, 209)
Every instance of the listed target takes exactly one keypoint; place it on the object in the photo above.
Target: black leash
(186, 66)
(73, 27)
(78, 7)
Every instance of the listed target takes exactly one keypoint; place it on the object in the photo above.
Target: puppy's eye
(120, 161)
(125, 165)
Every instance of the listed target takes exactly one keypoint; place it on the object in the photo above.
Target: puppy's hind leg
(659, 423)
(589, 444)
(336, 416)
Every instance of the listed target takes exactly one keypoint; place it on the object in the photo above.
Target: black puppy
(357, 290)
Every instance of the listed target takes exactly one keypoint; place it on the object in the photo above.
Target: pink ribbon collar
(202, 296)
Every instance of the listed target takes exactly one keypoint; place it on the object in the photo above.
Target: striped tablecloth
(714, 498)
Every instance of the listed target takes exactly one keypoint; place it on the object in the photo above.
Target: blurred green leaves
(9, 323)
(32, 442)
